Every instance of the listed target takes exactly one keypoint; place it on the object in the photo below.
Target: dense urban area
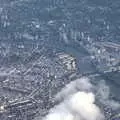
(46, 44)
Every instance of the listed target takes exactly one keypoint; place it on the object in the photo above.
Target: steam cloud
(77, 102)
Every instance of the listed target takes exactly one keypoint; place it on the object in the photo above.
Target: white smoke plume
(77, 103)
(103, 94)
(82, 84)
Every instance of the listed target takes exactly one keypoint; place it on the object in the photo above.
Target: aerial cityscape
(59, 60)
